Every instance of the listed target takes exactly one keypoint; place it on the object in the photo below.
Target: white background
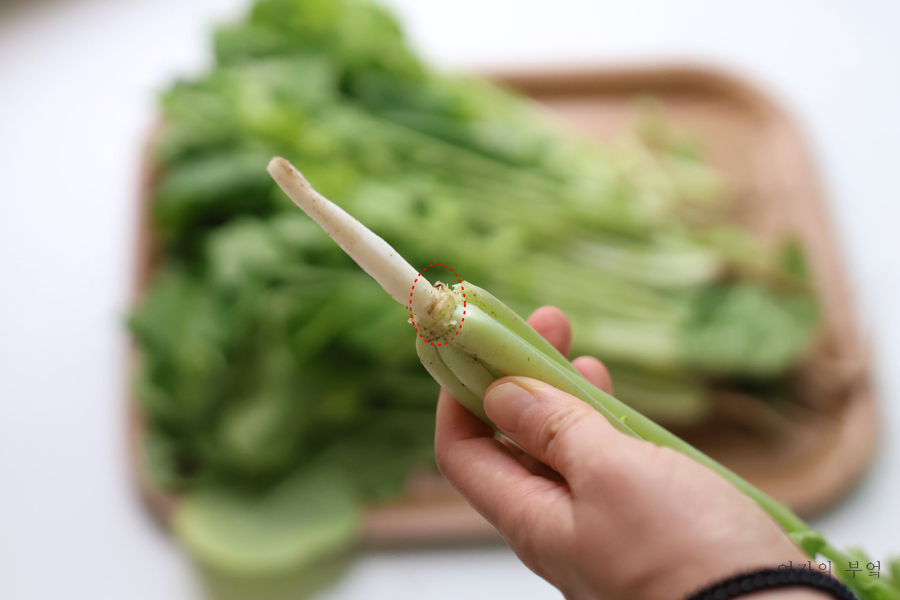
(78, 80)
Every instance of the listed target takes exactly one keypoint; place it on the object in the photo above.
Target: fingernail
(504, 403)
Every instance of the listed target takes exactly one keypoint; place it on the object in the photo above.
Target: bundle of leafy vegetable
(280, 389)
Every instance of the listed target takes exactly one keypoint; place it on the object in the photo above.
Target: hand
(595, 512)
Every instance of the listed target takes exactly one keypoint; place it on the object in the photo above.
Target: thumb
(556, 428)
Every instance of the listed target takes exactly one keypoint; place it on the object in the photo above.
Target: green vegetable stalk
(468, 339)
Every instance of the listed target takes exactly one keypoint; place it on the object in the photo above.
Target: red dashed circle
(461, 288)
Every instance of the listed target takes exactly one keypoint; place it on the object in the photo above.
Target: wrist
(700, 565)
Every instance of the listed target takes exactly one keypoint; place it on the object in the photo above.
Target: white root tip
(373, 254)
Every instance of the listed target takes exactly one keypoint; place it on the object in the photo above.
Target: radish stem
(431, 305)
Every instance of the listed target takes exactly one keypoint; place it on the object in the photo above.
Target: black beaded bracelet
(769, 579)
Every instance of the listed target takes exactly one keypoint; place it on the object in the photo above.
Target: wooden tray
(810, 455)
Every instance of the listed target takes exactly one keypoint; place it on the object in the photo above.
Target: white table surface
(77, 92)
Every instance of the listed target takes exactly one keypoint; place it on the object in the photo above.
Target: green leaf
(212, 188)
(310, 516)
(743, 328)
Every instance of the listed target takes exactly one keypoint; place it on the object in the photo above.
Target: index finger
(554, 326)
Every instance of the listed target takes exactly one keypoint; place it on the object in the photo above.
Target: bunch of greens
(280, 389)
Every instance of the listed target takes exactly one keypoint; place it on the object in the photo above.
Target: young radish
(469, 338)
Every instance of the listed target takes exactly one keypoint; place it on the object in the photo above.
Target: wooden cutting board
(808, 455)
